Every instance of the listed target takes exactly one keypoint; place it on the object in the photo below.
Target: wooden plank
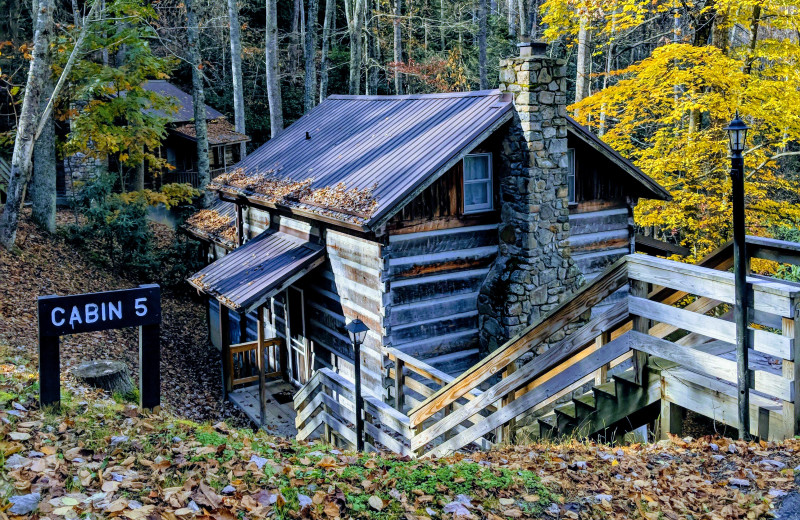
(522, 404)
(583, 300)
(698, 361)
(572, 345)
(768, 296)
(791, 370)
(640, 324)
(780, 251)
(763, 341)
(387, 440)
(432, 309)
(671, 419)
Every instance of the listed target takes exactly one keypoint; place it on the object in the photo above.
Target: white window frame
(479, 208)
(571, 176)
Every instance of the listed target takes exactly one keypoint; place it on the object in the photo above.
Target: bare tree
(583, 60)
(198, 101)
(43, 182)
(32, 121)
(327, 29)
(236, 72)
(483, 14)
(273, 78)
(311, 54)
(512, 18)
(354, 11)
(398, 45)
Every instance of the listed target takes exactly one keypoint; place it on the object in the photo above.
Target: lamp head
(357, 331)
(737, 132)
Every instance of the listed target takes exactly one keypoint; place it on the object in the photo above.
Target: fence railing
(248, 361)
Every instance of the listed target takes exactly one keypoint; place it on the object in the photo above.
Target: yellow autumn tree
(667, 113)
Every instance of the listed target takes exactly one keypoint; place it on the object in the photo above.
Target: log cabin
(446, 222)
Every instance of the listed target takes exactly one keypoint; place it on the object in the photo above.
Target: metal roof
(183, 100)
(245, 278)
(223, 209)
(396, 143)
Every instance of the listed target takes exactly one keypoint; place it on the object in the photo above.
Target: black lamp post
(737, 130)
(358, 331)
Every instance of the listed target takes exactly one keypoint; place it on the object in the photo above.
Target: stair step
(585, 405)
(548, 426)
(566, 416)
(608, 390)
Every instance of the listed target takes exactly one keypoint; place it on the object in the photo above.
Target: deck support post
(399, 383)
(225, 348)
(601, 376)
(638, 289)
(671, 419)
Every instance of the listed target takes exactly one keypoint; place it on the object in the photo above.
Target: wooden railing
(676, 319)
(246, 361)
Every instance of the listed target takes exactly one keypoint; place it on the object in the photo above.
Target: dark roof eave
(206, 237)
(584, 134)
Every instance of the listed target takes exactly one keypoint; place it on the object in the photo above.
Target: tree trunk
(294, 38)
(330, 11)
(512, 18)
(356, 25)
(311, 53)
(482, 29)
(442, 32)
(236, 72)
(43, 182)
(198, 102)
(373, 47)
(754, 23)
(26, 127)
(582, 76)
(523, 19)
(112, 376)
(138, 179)
(273, 79)
(398, 45)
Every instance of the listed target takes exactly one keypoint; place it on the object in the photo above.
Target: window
(571, 175)
(477, 183)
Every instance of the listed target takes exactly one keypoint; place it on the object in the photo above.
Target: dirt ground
(46, 264)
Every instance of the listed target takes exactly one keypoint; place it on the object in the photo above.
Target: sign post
(62, 315)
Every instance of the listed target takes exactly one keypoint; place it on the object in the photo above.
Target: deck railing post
(638, 288)
(791, 370)
(601, 376)
(509, 428)
(225, 346)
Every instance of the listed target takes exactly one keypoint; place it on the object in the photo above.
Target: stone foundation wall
(534, 271)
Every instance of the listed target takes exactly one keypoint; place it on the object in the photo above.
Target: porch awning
(256, 271)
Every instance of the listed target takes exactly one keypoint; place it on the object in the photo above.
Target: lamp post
(358, 331)
(737, 131)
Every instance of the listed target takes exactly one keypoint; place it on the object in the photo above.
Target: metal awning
(256, 271)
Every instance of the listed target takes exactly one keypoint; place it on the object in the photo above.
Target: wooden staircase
(666, 345)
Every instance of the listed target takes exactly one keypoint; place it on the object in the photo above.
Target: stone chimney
(534, 271)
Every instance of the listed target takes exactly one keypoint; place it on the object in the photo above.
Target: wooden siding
(434, 279)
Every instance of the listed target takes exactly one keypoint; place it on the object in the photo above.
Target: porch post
(225, 349)
(262, 396)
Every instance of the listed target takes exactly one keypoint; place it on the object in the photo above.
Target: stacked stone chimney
(534, 271)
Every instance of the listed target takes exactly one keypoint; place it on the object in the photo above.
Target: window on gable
(571, 175)
(478, 183)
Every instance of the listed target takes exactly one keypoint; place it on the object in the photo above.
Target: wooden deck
(280, 417)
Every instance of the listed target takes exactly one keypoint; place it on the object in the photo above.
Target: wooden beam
(262, 369)
(225, 343)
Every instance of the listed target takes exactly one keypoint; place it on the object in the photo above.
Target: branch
(764, 163)
(64, 73)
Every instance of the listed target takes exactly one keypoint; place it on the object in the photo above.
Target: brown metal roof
(218, 230)
(252, 273)
(396, 143)
(219, 131)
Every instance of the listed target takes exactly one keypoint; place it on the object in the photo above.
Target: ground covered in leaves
(98, 458)
(46, 264)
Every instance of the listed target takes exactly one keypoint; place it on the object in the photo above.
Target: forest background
(656, 79)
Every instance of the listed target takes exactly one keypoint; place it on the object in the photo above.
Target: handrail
(612, 279)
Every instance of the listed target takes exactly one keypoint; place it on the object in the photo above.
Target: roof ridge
(434, 95)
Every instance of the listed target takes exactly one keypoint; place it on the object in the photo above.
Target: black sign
(61, 315)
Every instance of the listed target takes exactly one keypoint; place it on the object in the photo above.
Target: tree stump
(105, 374)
